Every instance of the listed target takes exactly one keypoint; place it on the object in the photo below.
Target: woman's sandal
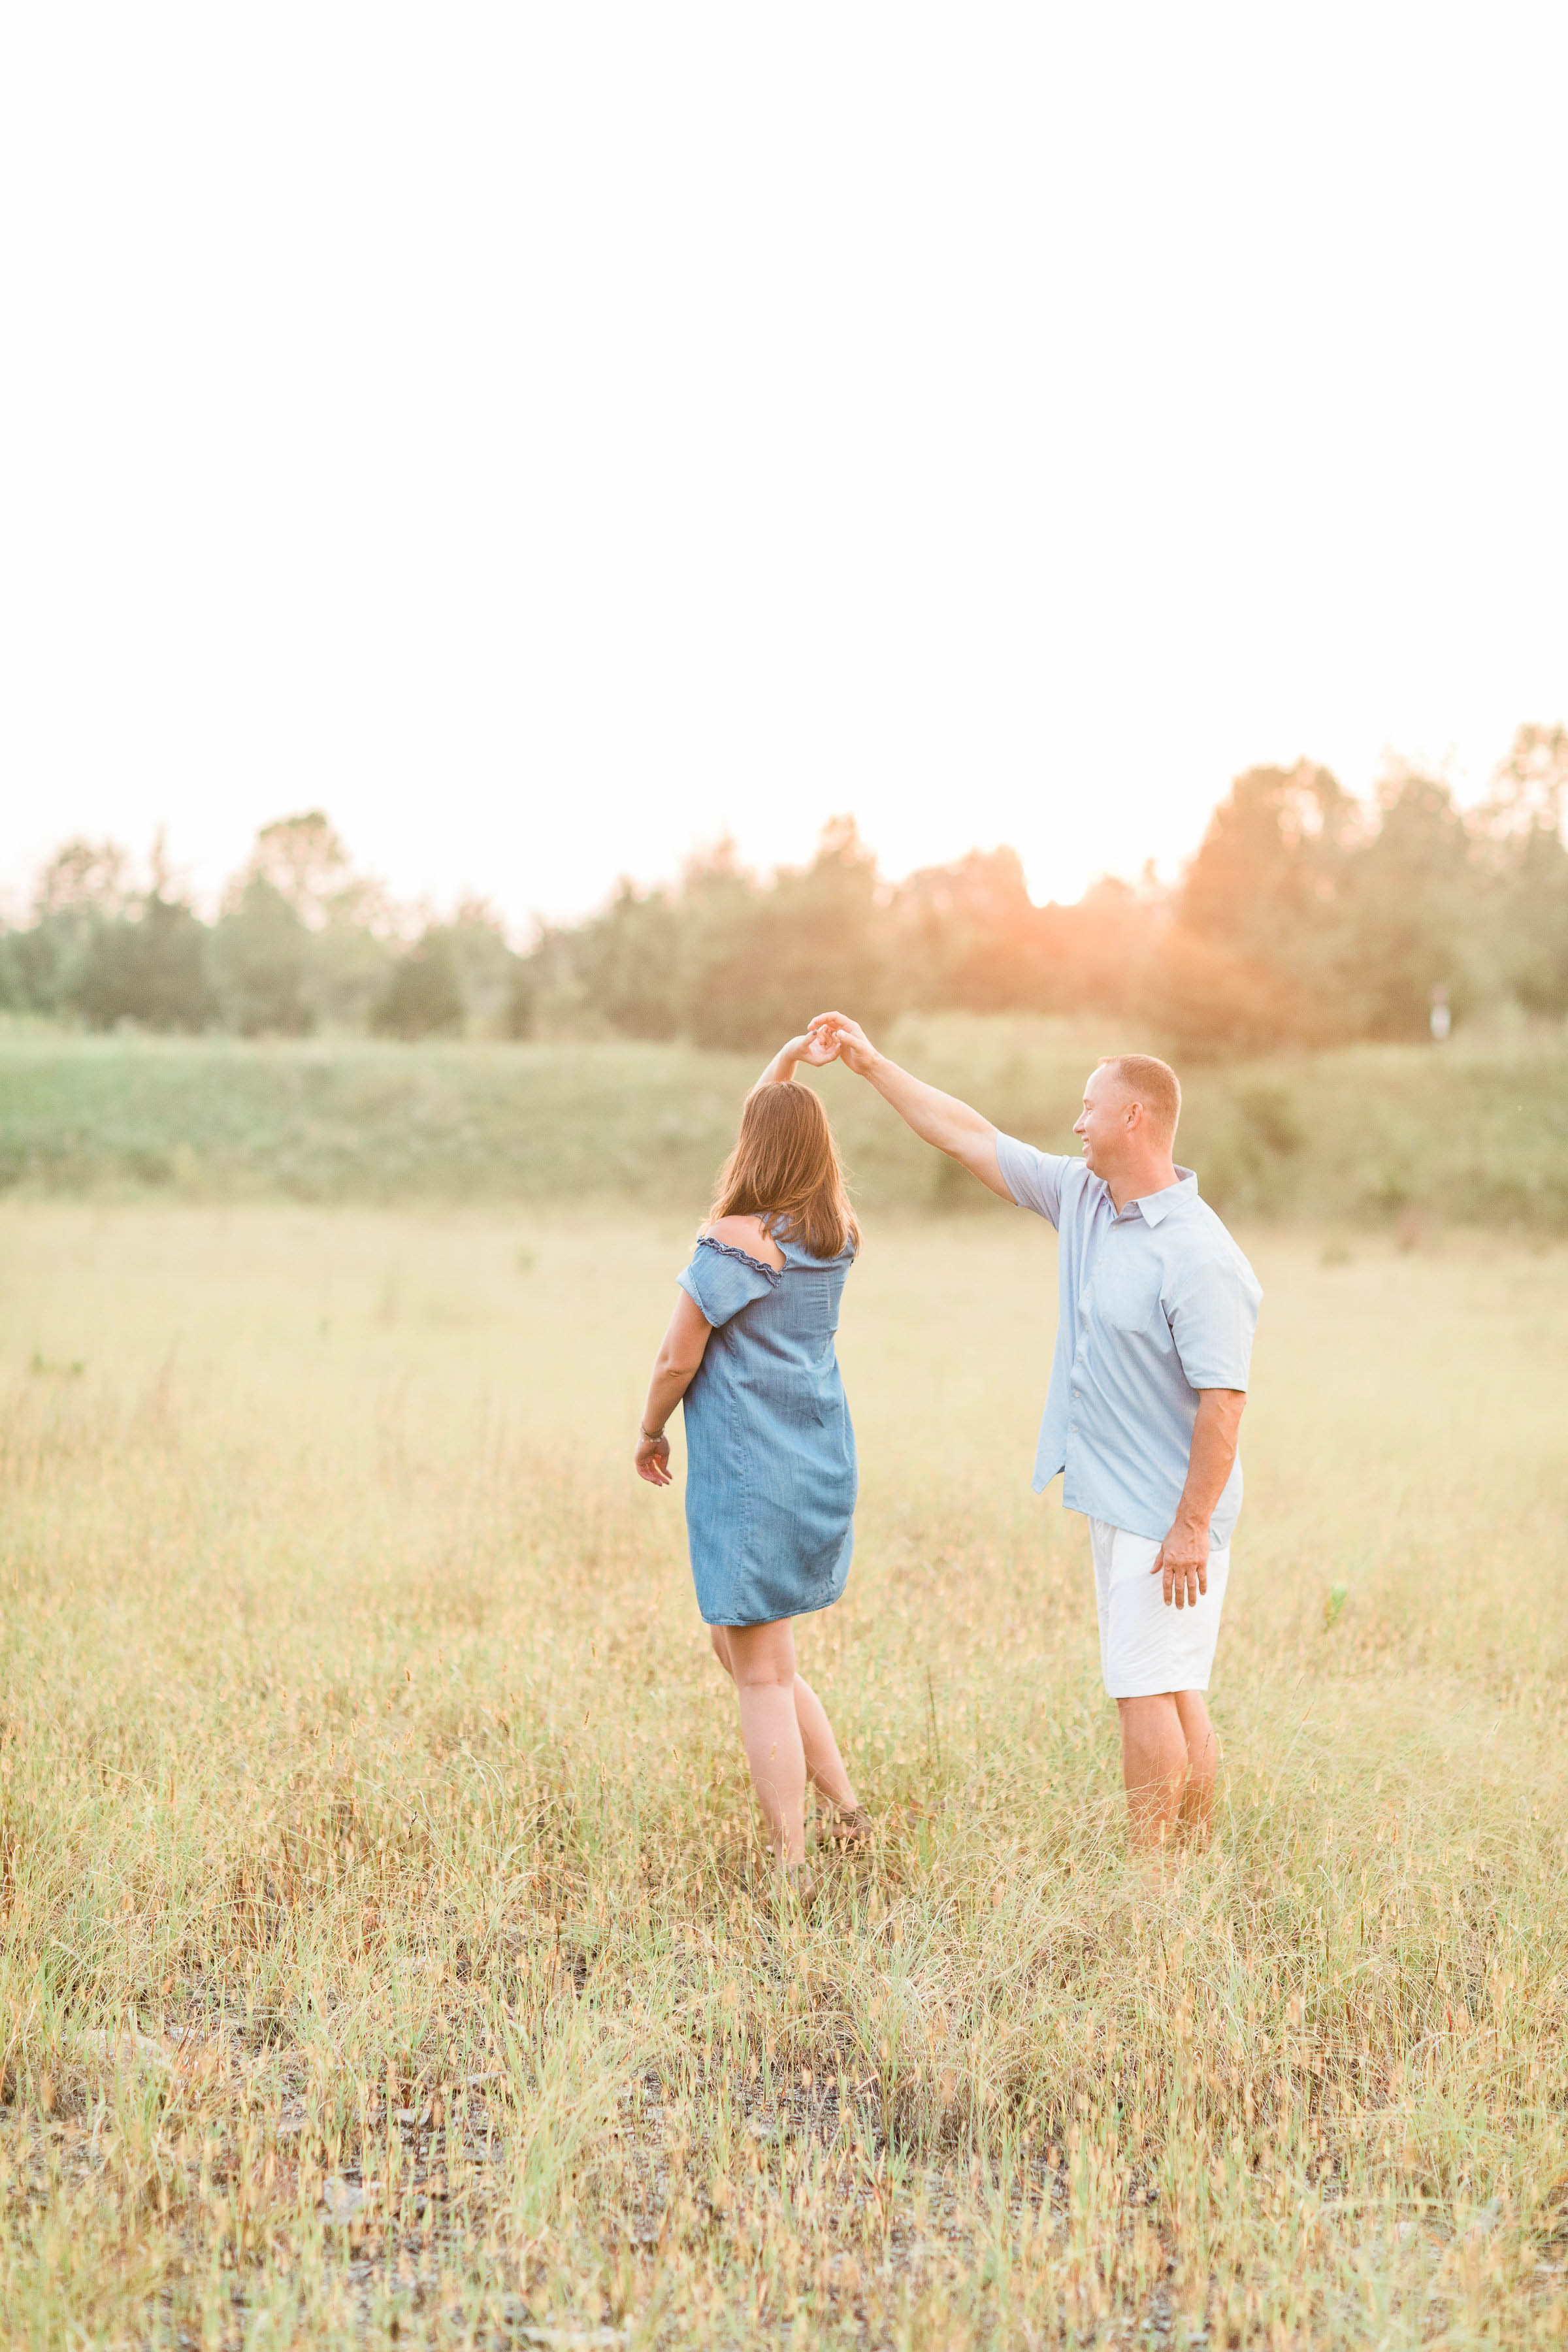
(845, 1827)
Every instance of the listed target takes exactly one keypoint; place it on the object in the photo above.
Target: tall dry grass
(384, 1946)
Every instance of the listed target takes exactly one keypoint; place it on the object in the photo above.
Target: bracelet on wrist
(654, 1437)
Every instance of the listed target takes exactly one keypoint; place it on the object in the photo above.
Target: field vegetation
(1473, 1131)
(385, 1948)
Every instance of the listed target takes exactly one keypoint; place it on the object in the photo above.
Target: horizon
(205, 899)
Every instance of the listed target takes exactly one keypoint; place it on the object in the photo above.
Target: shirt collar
(1157, 1206)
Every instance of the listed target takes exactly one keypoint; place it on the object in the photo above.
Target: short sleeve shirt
(1156, 1303)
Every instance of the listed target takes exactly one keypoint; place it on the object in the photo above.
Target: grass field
(383, 1944)
(1476, 1131)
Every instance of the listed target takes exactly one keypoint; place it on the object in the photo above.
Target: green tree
(968, 935)
(628, 962)
(1207, 1002)
(1520, 829)
(1415, 912)
(303, 860)
(1095, 949)
(85, 885)
(490, 972)
(148, 966)
(350, 929)
(760, 960)
(422, 996)
(262, 963)
(1266, 899)
(520, 1016)
(1299, 921)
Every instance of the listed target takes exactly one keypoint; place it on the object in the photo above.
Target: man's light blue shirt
(1156, 1303)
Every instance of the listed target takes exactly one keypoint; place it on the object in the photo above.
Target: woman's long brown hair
(786, 1167)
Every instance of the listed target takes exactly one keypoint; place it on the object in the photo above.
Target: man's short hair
(1152, 1083)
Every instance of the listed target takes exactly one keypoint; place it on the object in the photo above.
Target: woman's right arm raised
(806, 1048)
(937, 1118)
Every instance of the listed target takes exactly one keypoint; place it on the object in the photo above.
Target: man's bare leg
(1170, 1764)
(1153, 1767)
(1203, 1766)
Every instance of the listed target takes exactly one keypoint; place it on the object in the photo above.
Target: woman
(771, 1472)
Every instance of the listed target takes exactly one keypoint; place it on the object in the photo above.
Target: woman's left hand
(652, 1459)
(816, 1049)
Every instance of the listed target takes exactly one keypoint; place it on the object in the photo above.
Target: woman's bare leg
(823, 1765)
(760, 1660)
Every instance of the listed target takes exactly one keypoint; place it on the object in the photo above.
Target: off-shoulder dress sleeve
(722, 1280)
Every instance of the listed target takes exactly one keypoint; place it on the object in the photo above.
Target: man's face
(1102, 1123)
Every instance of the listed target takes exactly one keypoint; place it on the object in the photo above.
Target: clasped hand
(817, 1046)
(843, 1039)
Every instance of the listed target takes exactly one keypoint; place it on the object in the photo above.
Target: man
(1157, 1308)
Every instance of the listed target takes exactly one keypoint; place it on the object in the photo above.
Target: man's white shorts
(1144, 1646)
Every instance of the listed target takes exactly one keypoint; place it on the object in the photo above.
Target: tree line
(302, 942)
(1305, 917)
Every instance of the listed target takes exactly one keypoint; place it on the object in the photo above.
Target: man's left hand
(1183, 1560)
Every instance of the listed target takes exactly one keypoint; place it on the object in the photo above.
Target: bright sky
(548, 435)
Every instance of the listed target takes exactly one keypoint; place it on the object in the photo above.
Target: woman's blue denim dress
(771, 1472)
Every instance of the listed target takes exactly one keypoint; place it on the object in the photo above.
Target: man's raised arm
(935, 1117)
